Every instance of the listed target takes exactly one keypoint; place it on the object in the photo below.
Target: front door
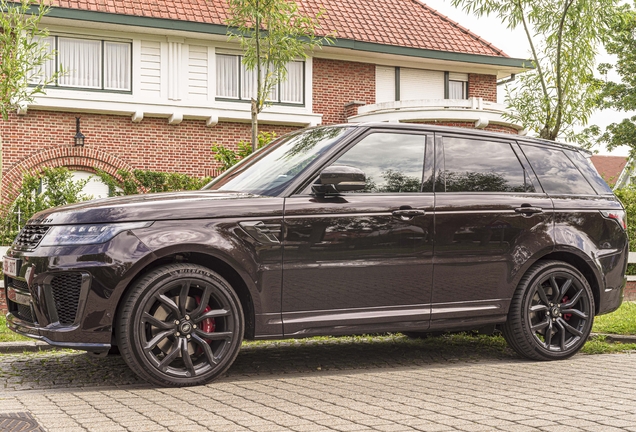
(362, 261)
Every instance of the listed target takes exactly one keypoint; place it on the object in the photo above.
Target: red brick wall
(630, 291)
(483, 86)
(45, 138)
(336, 83)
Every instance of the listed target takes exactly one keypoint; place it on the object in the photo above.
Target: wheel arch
(214, 263)
(581, 265)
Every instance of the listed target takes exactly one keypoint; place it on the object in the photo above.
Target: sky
(514, 43)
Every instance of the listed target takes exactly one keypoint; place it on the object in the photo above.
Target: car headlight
(66, 235)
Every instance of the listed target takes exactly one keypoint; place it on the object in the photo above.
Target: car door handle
(408, 214)
(528, 210)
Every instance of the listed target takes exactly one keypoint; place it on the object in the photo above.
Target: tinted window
(557, 173)
(480, 166)
(588, 170)
(392, 162)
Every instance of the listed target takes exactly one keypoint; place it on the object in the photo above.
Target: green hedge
(628, 198)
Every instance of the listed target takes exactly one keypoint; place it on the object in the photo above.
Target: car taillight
(617, 215)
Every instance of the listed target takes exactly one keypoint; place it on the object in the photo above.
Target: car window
(392, 162)
(473, 165)
(585, 165)
(270, 170)
(556, 172)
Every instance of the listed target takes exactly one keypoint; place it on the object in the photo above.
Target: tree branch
(559, 87)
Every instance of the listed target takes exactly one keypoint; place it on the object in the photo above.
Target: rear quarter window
(556, 172)
(585, 165)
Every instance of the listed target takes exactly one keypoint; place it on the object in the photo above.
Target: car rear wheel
(180, 325)
(551, 313)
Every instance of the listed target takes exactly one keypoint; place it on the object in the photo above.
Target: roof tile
(409, 23)
(609, 167)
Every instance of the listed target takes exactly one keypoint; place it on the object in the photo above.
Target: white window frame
(102, 82)
(277, 90)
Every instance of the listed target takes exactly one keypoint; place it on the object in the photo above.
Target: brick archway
(76, 158)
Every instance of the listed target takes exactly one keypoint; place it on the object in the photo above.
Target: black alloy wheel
(551, 313)
(180, 325)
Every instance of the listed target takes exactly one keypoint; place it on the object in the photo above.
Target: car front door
(491, 216)
(362, 261)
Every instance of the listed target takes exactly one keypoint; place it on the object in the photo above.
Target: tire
(180, 325)
(551, 312)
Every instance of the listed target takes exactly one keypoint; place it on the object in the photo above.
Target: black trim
(397, 83)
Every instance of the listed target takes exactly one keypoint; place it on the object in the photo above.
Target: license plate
(10, 266)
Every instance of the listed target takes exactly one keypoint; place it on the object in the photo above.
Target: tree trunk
(254, 125)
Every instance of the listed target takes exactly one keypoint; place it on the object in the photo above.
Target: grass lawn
(7, 335)
(622, 321)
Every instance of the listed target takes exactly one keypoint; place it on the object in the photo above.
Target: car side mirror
(339, 178)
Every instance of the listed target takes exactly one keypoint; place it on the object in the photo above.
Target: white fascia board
(228, 113)
(381, 59)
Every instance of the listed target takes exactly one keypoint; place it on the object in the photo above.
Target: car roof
(466, 131)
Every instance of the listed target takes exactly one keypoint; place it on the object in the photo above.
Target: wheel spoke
(548, 335)
(542, 295)
(541, 325)
(203, 303)
(573, 300)
(539, 308)
(152, 343)
(214, 335)
(576, 312)
(563, 290)
(216, 313)
(206, 349)
(561, 332)
(187, 360)
(157, 322)
(174, 352)
(183, 297)
(569, 328)
(170, 304)
(555, 289)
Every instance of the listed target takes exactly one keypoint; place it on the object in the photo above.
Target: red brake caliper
(566, 316)
(208, 325)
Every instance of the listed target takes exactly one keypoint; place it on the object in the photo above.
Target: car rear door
(491, 217)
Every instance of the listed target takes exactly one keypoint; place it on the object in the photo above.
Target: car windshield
(270, 170)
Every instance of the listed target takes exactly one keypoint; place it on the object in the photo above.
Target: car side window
(556, 172)
(474, 165)
(392, 162)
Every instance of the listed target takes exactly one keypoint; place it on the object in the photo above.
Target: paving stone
(390, 384)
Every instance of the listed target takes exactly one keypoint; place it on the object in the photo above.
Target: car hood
(160, 206)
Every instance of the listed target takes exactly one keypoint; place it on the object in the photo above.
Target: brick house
(156, 83)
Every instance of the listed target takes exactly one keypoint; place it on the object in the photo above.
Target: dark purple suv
(330, 231)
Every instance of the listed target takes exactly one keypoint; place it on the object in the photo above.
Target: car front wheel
(180, 325)
(551, 312)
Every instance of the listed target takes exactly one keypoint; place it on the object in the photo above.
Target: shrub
(229, 157)
(143, 181)
(51, 188)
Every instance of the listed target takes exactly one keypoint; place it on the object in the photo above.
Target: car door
(491, 216)
(362, 261)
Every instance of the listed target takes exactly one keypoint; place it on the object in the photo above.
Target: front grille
(30, 237)
(66, 293)
(24, 313)
(17, 283)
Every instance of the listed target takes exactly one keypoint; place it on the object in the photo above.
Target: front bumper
(68, 296)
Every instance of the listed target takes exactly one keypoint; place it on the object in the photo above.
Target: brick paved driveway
(386, 384)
